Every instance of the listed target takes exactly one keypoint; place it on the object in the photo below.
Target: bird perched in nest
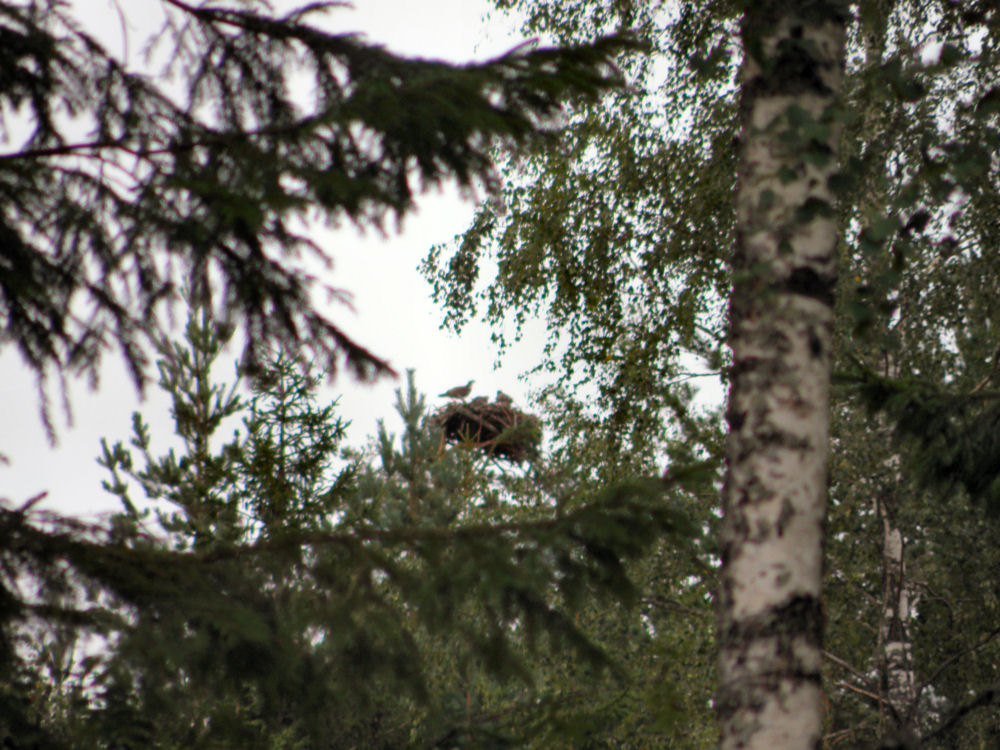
(503, 399)
(459, 391)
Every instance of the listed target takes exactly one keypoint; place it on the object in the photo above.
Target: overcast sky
(393, 314)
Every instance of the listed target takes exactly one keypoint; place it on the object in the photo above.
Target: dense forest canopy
(623, 237)
(274, 571)
(656, 195)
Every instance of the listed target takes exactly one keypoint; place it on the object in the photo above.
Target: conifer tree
(122, 190)
(567, 702)
(279, 598)
(121, 185)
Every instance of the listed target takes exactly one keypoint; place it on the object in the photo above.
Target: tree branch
(955, 657)
(837, 660)
(987, 696)
(861, 691)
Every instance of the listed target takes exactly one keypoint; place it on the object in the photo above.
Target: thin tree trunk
(897, 646)
(781, 319)
(899, 682)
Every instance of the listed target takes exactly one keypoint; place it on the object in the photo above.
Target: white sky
(393, 313)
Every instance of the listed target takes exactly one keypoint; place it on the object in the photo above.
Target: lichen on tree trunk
(781, 318)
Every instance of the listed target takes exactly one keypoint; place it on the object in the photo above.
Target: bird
(503, 399)
(459, 391)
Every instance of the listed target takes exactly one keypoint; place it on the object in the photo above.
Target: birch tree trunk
(898, 685)
(897, 609)
(781, 320)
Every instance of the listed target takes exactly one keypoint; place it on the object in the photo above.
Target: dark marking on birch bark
(801, 616)
(736, 419)
(792, 68)
(809, 283)
(772, 436)
(786, 515)
(815, 345)
(741, 367)
(798, 619)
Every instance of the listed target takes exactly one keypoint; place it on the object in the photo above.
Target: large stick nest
(496, 428)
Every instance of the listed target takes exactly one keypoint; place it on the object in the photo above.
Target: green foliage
(953, 435)
(546, 572)
(278, 595)
(291, 596)
(620, 241)
(288, 453)
(918, 295)
(618, 234)
(422, 590)
(266, 120)
(568, 702)
(198, 482)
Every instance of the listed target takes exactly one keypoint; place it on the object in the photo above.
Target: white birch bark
(897, 647)
(781, 320)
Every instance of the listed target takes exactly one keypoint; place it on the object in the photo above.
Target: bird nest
(496, 428)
